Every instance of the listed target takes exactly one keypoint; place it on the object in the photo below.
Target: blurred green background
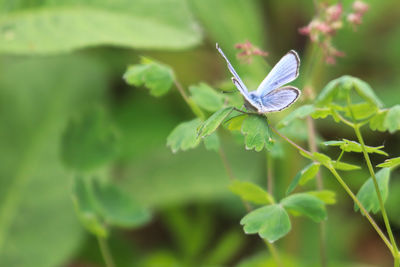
(62, 61)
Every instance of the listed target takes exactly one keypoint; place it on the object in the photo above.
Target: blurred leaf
(256, 131)
(340, 87)
(206, 97)
(213, 122)
(155, 76)
(89, 141)
(59, 26)
(85, 208)
(390, 163)
(184, 136)
(322, 113)
(377, 121)
(352, 146)
(361, 111)
(160, 258)
(251, 192)
(226, 249)
(367, 194)
(319, 157)
(342, 166)
(235, 123)
(266, 260)
(118, 208)
(270, 222)
(303, 176)
(212, 142)
(392, 119)
(37, 97)
(299, 113)
(305, 204)
(327, 196)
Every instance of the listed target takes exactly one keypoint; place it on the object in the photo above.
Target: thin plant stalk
(105, 252)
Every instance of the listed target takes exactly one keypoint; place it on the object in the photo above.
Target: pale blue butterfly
(270, 96)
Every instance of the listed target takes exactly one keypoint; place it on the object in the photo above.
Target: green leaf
(270, 222)
(352, 146)
(214, 121)
(235, 123)
(304, 176)
(377, 122)
(305, 204)
(327, 196)
(367, 194)
(319, 157)
(299, 113)
(364, 90)
(342, 166)
(184, 136)
(118, 208)
(85, 208)
(155, 76)
(361, 111)
(212, 142)
(256, 131)
(390, 163)
(206, 97)
(392, 119)
(251, 192)
(62, 26)
(89, 141)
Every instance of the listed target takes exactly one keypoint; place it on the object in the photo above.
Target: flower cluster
(327, 22)
(248, 51)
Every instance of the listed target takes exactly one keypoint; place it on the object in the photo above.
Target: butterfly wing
(285, 71)
(236, 80)
(279, 99)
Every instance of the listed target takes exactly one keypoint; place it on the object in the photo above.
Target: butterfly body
(271, 95)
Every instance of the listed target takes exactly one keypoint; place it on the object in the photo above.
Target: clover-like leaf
(299, 113)
(304, 176)
(155, 76)
(392, 119)
(343, 166)
(361, 111)
(235, 123)
(206, 97)
(390, 163)
(117, 207)
(184, 136)
(211, 142)
(89, 141)
(377, 122)
(214, 121)
(256, 131)
(251, 192)
(85, 208)
(270, 222)
(327, 196)
(305, 204)
(367, 194)
(352, 146)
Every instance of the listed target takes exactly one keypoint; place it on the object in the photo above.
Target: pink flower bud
(360, 7)
(306, 30)
(334, 12)
(354, 18)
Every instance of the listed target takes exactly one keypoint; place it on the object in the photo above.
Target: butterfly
(270, 96)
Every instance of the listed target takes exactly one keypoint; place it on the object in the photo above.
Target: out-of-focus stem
(105, 252)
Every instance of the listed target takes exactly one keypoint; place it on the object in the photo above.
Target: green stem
(340, 156)
(274, 253)
(105, 252)
(195, 109)
(349, 192)
(376, 185)
(270, 178)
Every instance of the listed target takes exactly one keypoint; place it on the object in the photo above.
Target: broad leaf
(305, 204)
(377, 122)
(327, 196)
(212, 142)
(89, 141)
(251, 192)
(352, 146)
(235, 123)
(62, 26)
(117, 207)
(270, 222)
(299, 113)
(390, 163)
(184, 136)
(155, 76)
(303, 176)
(256, 131)
(214, 121)
(367, 194)
(342, 166)
(206, 97)
(361, 111)
(392, 119)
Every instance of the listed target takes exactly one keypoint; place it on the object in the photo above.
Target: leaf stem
(195, 109)
(105, 252)
(274, 253)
